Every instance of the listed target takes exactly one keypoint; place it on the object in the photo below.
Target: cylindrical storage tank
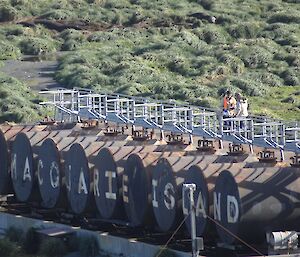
(256, 201)
(5, 181)
(5, 127)
(136, 186)
(109, 166)
(11, 132)
(204, 175)
(24, 162)
(107, 181)
(167, 178)
(50, 173)
(22, 168)
(78, 178)
(5, 178)
(79, 164)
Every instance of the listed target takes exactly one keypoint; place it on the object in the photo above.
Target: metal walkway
(81, 104)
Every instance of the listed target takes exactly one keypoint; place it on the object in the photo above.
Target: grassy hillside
(168, 48)
(18, 103)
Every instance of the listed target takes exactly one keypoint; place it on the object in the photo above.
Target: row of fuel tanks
(140, 183)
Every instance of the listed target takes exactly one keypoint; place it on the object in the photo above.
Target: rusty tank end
(204, 175)
(137, 179)
(266, 199)
(5, 181)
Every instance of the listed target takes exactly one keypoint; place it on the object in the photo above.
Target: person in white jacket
(241, 110)
(241, 106)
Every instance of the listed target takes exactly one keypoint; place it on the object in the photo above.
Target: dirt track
(36, 73)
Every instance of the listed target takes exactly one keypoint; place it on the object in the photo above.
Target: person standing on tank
(229, 106)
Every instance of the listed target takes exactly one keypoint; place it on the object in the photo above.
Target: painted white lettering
(26, 173)
(54, 175)
(200, 206)
(13, 167)
(125, 189)
(169, 198)
(154, 201)
(110, 175)
(232, 209)
(40, 166)
(217, 206)
(81, 183)
(96, 183)
(68, 178)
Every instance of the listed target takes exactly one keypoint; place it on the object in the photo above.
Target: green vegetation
(88, 246)
(7, 248)
(14, 234)
(31, 242)
(16, 40)
(166, 49)
(19, 244)
(11, 244)
(165, 253)
(18, 103)
(53, 247)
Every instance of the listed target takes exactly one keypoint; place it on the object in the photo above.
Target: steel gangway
(170, 116)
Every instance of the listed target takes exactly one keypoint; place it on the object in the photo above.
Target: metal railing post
(191, 189)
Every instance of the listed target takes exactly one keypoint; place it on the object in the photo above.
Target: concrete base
(109, 244)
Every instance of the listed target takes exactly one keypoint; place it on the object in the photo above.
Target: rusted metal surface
(22, 168)
(50, 175)
(23, 162)
(5, 127)
(136, 186)
(51, 156)
(64, 126)
(228, 158)
(204, 175)
(109, 166)
(108, 171)
(5, 182)
(14, 130)
(79, 164)
(6, 149)
(90, 144)
(255, 201)
(167, 178)
(78, 179)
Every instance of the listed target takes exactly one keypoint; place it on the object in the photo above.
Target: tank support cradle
(267, 156)
(235, 149)
(142, 135)
(295, 161)
(205, 145)
(175, 139)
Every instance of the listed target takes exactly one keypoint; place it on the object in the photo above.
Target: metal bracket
(113, 131)
(205, 145)
(175, 139)
(236, 149)
(295, 161)
(89, 124)
(142, 135)
(267, 156)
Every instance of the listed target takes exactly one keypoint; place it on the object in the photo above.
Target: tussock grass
(164, 50)
(19, 105)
